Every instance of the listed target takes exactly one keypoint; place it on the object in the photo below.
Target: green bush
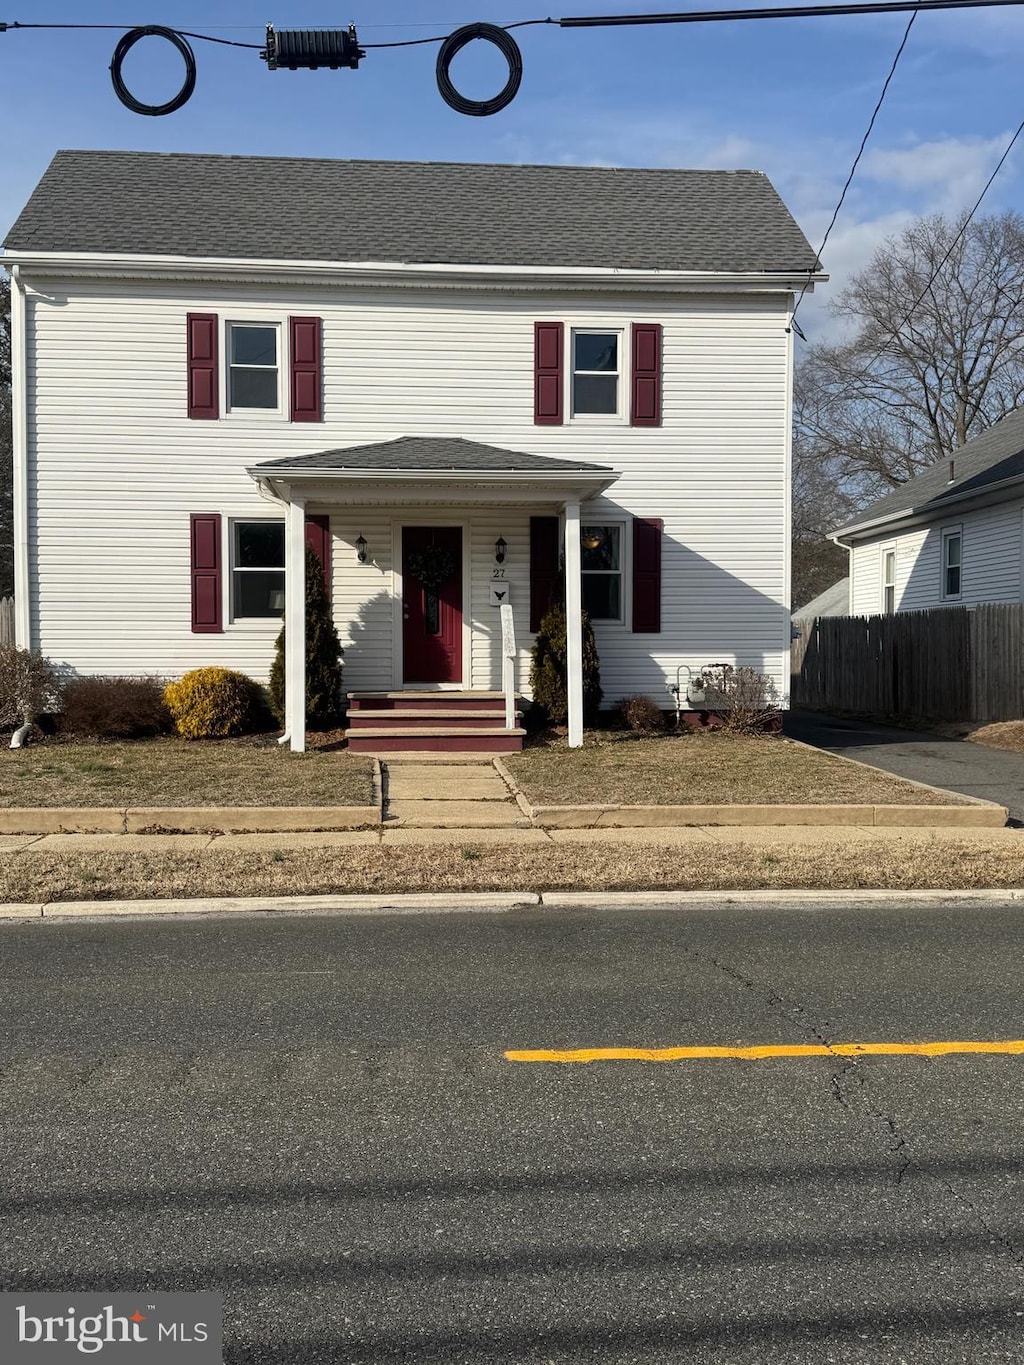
(548, 668)
(212, 703)
(323, 656)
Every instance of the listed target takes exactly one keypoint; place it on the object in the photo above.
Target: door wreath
(433, 565)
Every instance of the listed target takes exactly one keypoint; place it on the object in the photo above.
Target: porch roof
(445, 462)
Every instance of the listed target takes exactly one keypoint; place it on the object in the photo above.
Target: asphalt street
(956, 764)
(315, 1116)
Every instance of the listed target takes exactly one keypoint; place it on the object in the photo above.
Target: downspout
(19, 417)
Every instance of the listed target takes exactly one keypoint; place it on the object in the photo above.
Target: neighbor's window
(889, 581)
(952, 549)
(252, 365)
(595, 373)
(257, 569)
(601, 567)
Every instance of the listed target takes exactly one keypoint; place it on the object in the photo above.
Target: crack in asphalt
(850, 1071)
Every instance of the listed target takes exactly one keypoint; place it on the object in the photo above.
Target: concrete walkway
(464, 794)
(956, 764)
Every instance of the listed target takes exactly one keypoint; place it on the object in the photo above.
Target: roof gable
(989, 459)
(275, 208)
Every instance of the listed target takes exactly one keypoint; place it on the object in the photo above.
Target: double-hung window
(257, 569)
(596, 373)
(601, 555)
(889, 580)
(253, 366)
(952, 555)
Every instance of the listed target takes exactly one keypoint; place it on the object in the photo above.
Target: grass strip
(174, 772)
(714, 768)
(949, 865)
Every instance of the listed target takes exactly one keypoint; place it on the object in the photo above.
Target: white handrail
(508, 664)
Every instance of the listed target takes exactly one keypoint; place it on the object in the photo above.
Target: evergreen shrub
(323, 656)
(549, 668)
(212, 703)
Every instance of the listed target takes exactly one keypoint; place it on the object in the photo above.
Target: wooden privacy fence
(954, 663)
(6, 620)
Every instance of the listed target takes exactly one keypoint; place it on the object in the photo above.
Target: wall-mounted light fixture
(361, 549)
(499, 550)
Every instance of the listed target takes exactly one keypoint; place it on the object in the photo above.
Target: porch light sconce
(499, 550)
(361, 549)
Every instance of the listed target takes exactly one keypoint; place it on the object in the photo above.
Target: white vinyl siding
(116, 467)
(992, 564)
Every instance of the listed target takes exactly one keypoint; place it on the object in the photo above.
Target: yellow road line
(1013, 1048)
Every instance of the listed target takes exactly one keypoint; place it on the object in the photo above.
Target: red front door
(432, 604)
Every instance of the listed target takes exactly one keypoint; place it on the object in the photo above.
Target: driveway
(992, 774)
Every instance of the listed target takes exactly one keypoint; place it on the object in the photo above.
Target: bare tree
(931, 353)
(898, 392)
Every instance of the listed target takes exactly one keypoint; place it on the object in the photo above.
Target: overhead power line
(849, 391)
(336, 49)
(853, 168)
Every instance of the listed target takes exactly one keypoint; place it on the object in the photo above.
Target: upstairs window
(253, 374)
(888, 581)
(596, 365)
(601, 571)
(257, 569)
(952, 551)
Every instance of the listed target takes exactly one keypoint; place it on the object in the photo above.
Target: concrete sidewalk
(398, 836)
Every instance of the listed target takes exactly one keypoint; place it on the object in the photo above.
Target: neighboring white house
(952, 536)
(460, 383)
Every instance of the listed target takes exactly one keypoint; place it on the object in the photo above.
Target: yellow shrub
(211, 703)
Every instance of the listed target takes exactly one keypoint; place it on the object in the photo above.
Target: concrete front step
(427, 701)
(429, 720)
(403, 739)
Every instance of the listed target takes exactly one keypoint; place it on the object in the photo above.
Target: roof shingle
(275, 208)
(443, 454)
(997, 454)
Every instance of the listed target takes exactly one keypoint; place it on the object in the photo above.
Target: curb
(978, 815)
(499, 902)
(188, 819)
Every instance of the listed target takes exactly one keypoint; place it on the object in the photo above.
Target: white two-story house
(464, 385)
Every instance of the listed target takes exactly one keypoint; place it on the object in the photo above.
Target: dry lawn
(713, 768)
(174, 772)
(946, 865)
(1003, 734)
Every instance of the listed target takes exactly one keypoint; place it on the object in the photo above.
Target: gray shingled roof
(443, 454)
(995, 455)
(256, 207)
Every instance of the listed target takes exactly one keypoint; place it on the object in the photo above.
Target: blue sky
(790, 97)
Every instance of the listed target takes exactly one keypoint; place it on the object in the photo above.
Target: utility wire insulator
(309, 49)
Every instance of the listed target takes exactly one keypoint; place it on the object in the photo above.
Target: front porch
(431, 551)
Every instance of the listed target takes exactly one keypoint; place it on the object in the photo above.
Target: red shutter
(543, 566)
(306, 369)
(203, 378)
(318, 536)
(206, 589)
(548, 358)
(647, 575)
(645, 408)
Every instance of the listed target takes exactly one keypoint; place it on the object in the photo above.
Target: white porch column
(573, 625)
(295, 623)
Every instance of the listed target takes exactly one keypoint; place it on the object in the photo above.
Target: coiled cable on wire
(453, 45)
(126, 44)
